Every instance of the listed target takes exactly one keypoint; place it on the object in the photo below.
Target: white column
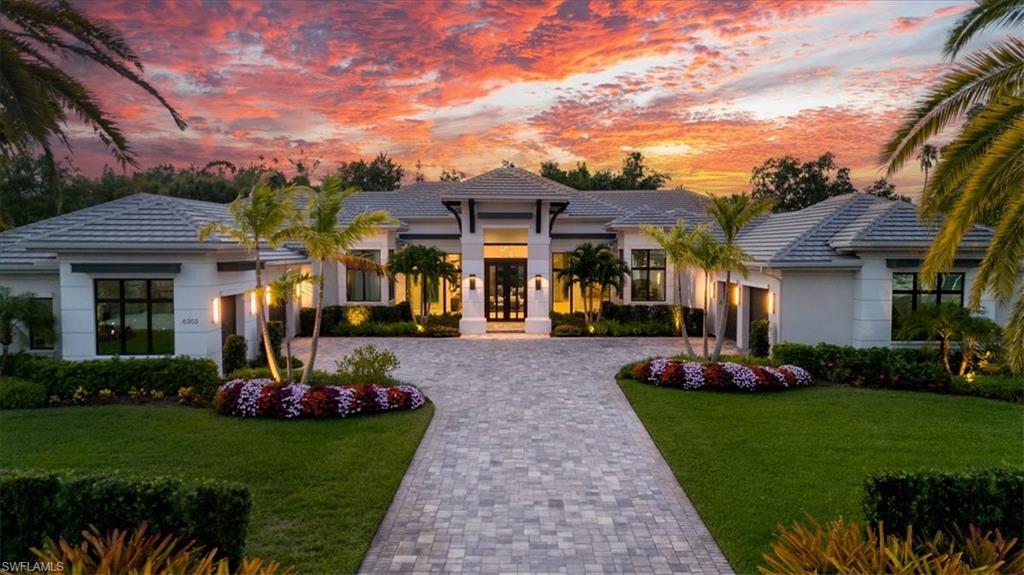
(872, 305)
(473, 321)
(538, 302)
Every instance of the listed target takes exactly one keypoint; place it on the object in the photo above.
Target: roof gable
(508, 183)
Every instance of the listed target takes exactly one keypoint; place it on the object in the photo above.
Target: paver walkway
(534, 463)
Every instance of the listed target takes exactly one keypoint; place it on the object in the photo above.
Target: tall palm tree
(732, 213)
(981, 175)
(36, 95)
(283, 291)
(21, 314)
(927, 158)
(712, 256)
(583, 268)
(676, 243)
(266, 216)
(405, 262)
(427, 266)
(611, 273)
(326, 239)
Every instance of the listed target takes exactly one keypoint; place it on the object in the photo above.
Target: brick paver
(534, 463)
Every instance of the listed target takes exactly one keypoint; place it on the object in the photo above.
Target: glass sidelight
(506, 290)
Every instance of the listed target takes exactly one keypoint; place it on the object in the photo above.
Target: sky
(705, 90)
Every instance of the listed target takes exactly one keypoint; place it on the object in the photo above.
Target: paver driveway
(534, 463)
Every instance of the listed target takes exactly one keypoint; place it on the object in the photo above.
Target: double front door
(506, 290)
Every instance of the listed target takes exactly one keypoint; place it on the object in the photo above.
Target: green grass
(750, 462)
(320, 488)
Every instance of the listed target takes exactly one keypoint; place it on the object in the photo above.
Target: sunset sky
(705, 90)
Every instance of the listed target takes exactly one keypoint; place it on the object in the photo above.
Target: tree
(36, 95)
(637, 176)
(927, 158)
(634, 176)
(325, 239)
(942, 322)
(793, 185)
(712, 256)
(593, 268)
(978, 334)
(883, 188)
(452, 176)
(283, 291)
(19, 315)
(426, 265)
(732, 214)
(266, 217)
(676, 243)
(379, 174)
(981, 175)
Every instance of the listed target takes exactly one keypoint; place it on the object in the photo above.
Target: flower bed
(723, 375)
(265, 398)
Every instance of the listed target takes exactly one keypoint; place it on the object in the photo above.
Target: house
(130, 277)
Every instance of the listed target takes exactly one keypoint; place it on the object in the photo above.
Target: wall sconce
(536, 282)
(472, 281)
(771, 302)
(266, 295)
(735, 295)
(215, 310)
(252, 302)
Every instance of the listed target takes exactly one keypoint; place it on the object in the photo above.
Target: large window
(363, 285)
(648, 269)
(573, 301)
(908, 295)
(39, 340)
(134, 317)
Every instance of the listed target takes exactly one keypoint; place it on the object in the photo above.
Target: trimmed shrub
(721, 375)
(36, 505)
(901, 368)
(567, 330)
(21, 394)
(759, 344)
(368, 364)
(1003, 387)
(234, 352)
(264, 398)
(935, 501)
(335, 316)
(441, 331)
(63, 378)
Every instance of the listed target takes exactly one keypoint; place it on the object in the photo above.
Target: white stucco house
(130, 278)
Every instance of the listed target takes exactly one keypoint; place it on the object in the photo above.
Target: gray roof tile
(509, 182)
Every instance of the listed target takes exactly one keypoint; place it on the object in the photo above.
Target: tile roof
(508, 182)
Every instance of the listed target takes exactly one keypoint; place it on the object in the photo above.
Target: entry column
(473, 320)
(538, 276)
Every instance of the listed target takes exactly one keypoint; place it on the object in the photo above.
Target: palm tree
(19, 315)
(265, 217)
(732, 214)
(283, 291)
(427, 266)
(611, 273)
(981, 175)
(711, 256)
(325, 239)
(676, 244)
(584, 267)
(926, 159)
(36, 95)
(942, 322)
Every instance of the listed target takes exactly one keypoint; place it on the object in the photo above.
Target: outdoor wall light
(266, 296)
(215, 310)
(472, 281)
(536, 282)
(771, 302)
(252, 302)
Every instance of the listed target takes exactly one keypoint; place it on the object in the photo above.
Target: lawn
(320, 488)
(749, 462)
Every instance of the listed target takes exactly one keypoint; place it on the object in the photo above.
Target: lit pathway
(534, 463)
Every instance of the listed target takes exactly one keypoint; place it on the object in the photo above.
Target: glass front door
(506, 290)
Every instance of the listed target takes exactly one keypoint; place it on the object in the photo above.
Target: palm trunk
(55, 184)
(307, 370)
(424, 301)
(704, 324)
(966, 357)
(720, 322)
(682, 316)
(261, 321)
(944, 350)
(408, 298)
(287, 345)
(600, 303)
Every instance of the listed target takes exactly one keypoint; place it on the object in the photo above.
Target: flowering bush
(264, 398)
(723, 375)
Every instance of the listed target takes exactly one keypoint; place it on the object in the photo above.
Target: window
(41, 340)
(562, 302)
(134, 317)
(908, 295)
(648, 275)
(363, 285)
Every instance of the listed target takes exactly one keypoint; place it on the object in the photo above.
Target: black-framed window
(908, 295)
(37, 340)
(134, 317)
(363, 285)
(648, 275)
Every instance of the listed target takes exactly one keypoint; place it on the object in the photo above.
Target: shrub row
(38, 505)
(165, 374)
(264, 398)
(335, 315)
(721, 375)
(693, 318)
(18, 393)
(911, 369)
(1004, 387)
(395, 329)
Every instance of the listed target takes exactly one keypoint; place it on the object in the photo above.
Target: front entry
(506, 290)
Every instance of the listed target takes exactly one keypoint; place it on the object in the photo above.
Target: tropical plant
(325, 239)
(19, 315)
(732, 213)
(36, 94)
(927, 158)
(942, 322)
(266, 217)
(980, 178)
(713, 256)
(283, 291)
(978, 336)
(593, 268)
(611, 273)
(427, 266)
(676, 245)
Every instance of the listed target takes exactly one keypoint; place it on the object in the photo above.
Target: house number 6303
(190, 321)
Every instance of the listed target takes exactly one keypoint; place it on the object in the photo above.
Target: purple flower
(742, 376)
(657, 368)
(693, 375)
(803, 377)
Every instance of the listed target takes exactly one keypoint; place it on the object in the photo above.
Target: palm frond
(987, 14)
(1000, 269)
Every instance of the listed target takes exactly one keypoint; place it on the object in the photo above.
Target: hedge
(693, 318)
(932, 501)
(21, 394)
(618, 320)
(901, 368)
(1003, 387)
(35, 505)
(334, 315)
(166, 374)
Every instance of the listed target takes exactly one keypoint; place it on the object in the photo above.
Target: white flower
(657, 368)
(742, 376)
(693, 375)
(803, 377)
